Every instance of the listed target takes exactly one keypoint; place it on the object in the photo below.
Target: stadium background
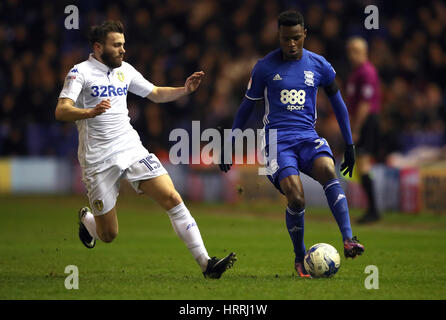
(168, 40)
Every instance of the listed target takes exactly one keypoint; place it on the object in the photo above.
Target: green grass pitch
(38, 239)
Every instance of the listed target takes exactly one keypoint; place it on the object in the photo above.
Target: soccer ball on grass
(322, 260)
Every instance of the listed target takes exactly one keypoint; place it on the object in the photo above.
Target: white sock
(90, 224)
(187, 229)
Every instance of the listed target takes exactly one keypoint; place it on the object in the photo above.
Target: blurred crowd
(167, 40)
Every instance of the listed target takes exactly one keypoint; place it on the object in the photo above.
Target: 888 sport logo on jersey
(294, 99)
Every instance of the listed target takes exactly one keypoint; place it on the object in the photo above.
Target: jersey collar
(99, 64)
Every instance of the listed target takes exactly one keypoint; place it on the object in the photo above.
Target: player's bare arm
(66, 111)
(167, 94)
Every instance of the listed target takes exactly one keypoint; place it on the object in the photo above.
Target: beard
(110, 61)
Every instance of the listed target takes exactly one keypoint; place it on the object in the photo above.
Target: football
(322, 260)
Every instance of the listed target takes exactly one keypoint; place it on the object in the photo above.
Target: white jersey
(110, 133)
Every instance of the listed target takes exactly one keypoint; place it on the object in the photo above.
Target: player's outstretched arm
(341, 113)
(66, 111)
(167, 94)
(243, 114)
(240, 120)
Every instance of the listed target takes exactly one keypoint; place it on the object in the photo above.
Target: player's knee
(325, 173)
(171, 199)
(108, 235)
(296, 201)
(330, 171)
(294, 195)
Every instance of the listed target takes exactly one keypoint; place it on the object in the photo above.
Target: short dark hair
(290, 18)
(99, 33)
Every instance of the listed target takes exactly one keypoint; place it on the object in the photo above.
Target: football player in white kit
(94, 95)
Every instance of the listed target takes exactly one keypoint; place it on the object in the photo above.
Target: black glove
(223, 167)
(349, 160)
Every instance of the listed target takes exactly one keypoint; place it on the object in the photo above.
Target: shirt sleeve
(328, 73)
(74, 82)
(367, 88)
(256, 84)
(243, 114)
(341, 113)
(140, 85)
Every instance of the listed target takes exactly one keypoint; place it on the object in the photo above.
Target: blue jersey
(289, 89)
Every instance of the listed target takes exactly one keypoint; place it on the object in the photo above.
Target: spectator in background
(364, 103)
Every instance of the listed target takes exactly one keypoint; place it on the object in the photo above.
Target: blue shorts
(294, 157)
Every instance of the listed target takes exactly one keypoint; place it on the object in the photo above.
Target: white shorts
(103, 186)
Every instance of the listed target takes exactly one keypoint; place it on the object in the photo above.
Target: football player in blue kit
(287, 80)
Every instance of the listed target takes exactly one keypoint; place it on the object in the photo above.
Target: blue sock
(295, 225)
(339, 207)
